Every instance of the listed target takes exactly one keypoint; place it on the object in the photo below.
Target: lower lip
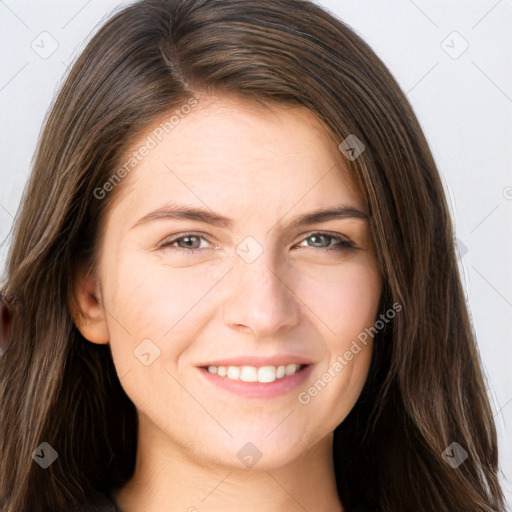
(259, 389)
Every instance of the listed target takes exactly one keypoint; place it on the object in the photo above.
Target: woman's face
(239, 287)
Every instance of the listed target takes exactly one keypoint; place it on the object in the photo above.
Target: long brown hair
(425, 389)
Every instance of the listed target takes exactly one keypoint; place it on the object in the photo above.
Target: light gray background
(462, 97)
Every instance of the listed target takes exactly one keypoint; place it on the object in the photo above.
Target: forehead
(232, 154)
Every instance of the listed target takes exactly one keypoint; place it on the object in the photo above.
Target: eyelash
(338, 247)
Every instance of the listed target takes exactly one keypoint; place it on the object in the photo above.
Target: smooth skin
(198, 301)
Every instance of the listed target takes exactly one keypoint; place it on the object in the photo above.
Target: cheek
(154, 317)
(345, 303)
(344, 299)
(154, 302)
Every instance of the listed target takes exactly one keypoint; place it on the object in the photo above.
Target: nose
(261, 301)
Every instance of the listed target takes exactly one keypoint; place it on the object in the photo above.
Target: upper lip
(276, 360)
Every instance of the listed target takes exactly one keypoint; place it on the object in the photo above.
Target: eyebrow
(177, 211)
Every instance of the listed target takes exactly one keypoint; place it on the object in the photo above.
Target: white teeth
(234, 372)
(254, 374)
(267, 374)
(291, 369)
(249, 374)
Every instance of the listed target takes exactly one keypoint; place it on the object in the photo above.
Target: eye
(319, 239)
(186, 242)
(191, 242)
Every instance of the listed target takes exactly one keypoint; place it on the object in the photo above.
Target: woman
(232, 282)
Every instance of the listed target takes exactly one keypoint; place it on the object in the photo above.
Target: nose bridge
(260, 298)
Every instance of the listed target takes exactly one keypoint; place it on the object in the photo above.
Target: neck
(171, 479)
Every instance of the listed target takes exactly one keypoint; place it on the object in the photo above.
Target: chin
(258, 449)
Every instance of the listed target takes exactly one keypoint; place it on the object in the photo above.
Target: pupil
(187, 239)
(316, 237)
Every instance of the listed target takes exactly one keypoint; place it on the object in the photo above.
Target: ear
(91, 319)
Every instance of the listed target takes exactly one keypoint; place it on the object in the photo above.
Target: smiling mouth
(261, 374)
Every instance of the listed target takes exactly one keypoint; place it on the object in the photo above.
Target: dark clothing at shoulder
(98, 503)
